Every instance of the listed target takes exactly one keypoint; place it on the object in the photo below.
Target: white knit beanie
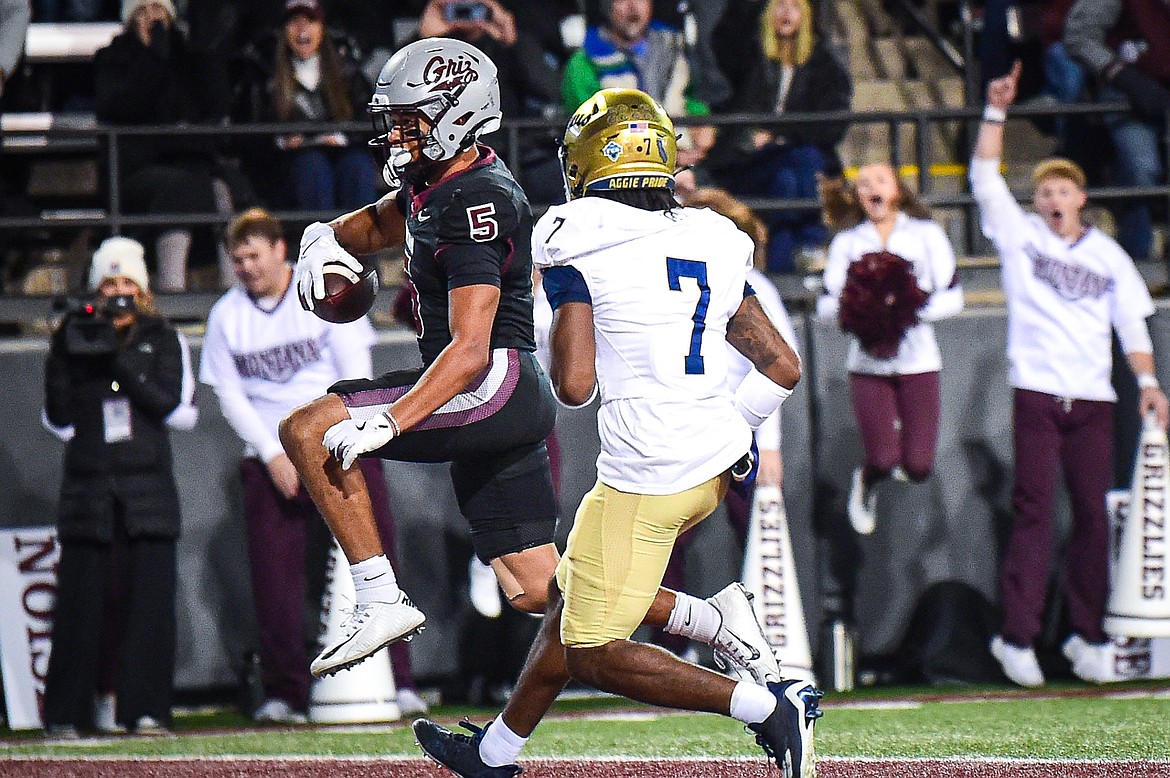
(116, 257)
(130, 6)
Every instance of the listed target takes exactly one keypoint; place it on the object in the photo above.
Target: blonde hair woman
(796, 72)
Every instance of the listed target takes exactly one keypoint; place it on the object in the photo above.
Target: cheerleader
(890, 273)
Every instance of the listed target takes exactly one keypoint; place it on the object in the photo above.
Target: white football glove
(350, 438)
(319, 248)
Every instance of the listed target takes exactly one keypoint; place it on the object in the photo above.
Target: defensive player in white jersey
(895, 397)
(264, 355)
(738, 501)
(1068, 286)
(645, 293)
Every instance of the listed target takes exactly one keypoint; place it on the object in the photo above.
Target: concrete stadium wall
(946, 529)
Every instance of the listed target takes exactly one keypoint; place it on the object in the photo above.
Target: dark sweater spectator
(150, 75)
(796, 73)
(1125, 44)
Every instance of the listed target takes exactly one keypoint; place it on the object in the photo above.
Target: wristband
(994, 115)
(1147, 381)
(394, 424)
(757, 397)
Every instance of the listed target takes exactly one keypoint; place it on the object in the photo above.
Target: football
(346, 300)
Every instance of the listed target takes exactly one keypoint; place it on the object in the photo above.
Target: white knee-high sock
(500, 745)
(693, 618)
(751, 703)
(374, 580)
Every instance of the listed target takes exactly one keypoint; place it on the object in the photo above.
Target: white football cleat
(1019, 663)
(370, 626)
(740, 640)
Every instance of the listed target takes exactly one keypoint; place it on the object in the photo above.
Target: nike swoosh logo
(755, 654)
(340, 645)
(375, 578)
(361, 425)
(687, 620)
(422, 216)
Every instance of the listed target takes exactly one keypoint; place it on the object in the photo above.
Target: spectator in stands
(265, 355)
(150, 75)
(1064, 78)
(796, 72)
(114, 375)
(1125, 44)
(767, 438)
(529, 82)
(632, 50)
(312, 81)
(1069, 286)
(890, 274)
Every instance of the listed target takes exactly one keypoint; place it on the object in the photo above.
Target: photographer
(115, 374)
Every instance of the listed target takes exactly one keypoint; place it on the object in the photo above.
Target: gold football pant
(617, 554)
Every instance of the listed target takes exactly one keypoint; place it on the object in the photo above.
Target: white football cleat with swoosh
(369, 627)
(740, 641)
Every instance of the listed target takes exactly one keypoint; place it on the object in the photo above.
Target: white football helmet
(449, 84)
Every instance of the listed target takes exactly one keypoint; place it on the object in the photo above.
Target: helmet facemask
(433, 98)
(405, 138)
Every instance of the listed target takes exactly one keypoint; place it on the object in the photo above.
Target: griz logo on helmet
(450, 74)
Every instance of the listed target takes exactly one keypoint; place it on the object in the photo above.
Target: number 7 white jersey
(663, 286)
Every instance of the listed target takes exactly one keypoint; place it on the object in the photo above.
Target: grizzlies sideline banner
(770, 575)
(28, 593)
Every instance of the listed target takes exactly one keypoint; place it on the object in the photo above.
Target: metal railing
(897, 123)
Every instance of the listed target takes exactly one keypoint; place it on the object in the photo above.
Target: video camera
(88, 328)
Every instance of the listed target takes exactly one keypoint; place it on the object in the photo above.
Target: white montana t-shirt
(663, 286)
(262, 364)
(1063, 300)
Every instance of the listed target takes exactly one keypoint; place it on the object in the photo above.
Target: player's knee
(304, 427)
(293, 430)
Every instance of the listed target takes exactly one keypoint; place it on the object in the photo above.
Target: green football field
(1118, 722)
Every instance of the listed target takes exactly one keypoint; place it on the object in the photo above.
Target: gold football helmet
(618, 139)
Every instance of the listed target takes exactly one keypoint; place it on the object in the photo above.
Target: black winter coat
(166, 83)
(135, 473)
(820, 84)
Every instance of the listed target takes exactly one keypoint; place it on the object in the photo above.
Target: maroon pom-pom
(880, 301)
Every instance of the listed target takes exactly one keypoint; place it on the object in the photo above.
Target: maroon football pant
(1054, 436)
